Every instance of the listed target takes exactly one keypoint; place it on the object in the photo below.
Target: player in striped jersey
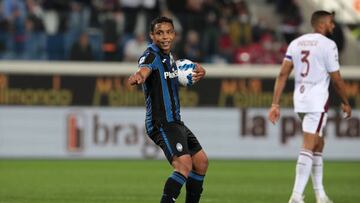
(159, 77)
(314, 59)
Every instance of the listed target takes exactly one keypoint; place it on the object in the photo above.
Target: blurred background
(223, 31)
(60, 97)
(64, 96)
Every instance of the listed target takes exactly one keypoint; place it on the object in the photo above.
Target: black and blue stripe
(196, 176)
(161, 94)
(178, 177)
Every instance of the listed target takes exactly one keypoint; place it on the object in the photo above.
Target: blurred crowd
(209, 31)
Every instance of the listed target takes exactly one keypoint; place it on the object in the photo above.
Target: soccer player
(314, 58)
(158, 75)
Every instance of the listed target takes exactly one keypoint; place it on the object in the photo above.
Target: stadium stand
(225, 31)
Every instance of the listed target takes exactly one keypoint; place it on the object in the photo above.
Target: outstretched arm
(339, 86)
(274, 112)
(139, 76)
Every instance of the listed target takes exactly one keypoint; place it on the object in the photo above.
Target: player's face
(163, 36)
(329, 25)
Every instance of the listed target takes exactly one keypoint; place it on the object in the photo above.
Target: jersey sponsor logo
(170, 75)
(75, 132)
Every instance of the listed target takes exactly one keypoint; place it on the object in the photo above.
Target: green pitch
(124, 181)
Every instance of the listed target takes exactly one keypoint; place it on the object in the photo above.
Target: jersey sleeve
(332, 58)
(148, 60)
(289, 55)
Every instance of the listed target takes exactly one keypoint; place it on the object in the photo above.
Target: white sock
(303, 170)
(317, 175)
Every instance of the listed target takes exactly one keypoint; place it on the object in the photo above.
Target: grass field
(128, 181)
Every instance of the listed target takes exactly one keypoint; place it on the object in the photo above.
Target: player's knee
(185, 168)
(183, 165)
(319, 146)
(201, 165)
(310, 142)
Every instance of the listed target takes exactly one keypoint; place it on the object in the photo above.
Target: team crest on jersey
(142, 59)
(302, 89)
(179, 147)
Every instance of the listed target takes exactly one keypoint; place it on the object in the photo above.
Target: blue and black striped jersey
(160, 88)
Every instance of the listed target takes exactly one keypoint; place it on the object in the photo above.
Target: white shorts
(313, 123)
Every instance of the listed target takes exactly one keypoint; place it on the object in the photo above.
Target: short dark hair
(318, 15)
(161, 19)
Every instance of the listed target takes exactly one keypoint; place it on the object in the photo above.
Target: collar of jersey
(156, 49)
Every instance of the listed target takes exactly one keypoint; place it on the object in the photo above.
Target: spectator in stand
(268, 50)
(177, 6)
(260, 29)
(193, 17)
(192, 46)
(338, 35)
(81, 50)
(11, 6)
(35, 14)
(131, 8)
(110, 39)
(291, 19)
(35, 38)
(55, 23)
(135, 47)
(151, 9)
(218, 29)
(178, 43)
(226, 48)
(15, 13)
(58, 11)
(240, 25)
(211, 32)
(77, 22)
(4, 29)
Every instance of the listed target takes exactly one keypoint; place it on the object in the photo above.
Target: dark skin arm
(339, 86)
(199, 72)
(139, 76)
(274, 112)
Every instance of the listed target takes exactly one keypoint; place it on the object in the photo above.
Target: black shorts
(175, 139)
